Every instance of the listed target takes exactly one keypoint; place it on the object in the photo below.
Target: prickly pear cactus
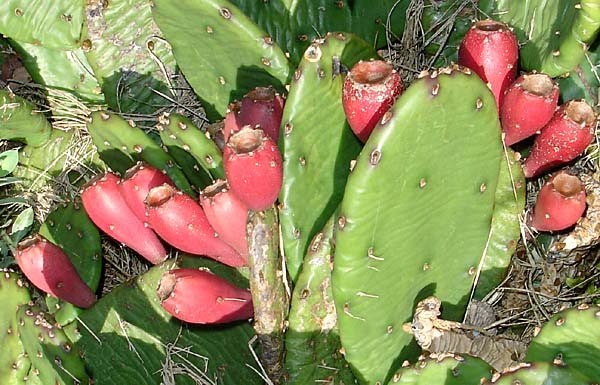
(54, 359)
(316, 161)
(543, 373)
(14, 364)
(554, 35)
(22, 121)
(583, 82)
(144, 340)
(447, 370)
(416, 216)
(218, 27)
(572, 338)
(312, 339)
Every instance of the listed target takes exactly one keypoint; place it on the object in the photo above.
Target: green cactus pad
(54, 358)
(14, 365)
(295, 24)
(583, 81)
(416, 216)
(20, 120)
(52, 24)
(128, 55)
(571, 337)
(69, 227)
(509, 204)
(312, 340)
(182, 137)
(554, 35)
(543, 373)
(221, 52)
(316, 142)
(120, 144)
(445, 370)
(130, 323)
(61, 70)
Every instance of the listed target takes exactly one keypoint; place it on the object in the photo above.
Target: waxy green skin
(543, 373)
(457, 370)
(316, 162)
(385, 250)
(13, 363)
(20, 120)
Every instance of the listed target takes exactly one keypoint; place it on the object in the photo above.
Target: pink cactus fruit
(369, 90)
(227, 215)
(200, 297)
(529, 104)
(107, 208)
(491, 50)
(560, 203)
(563, 139)
(262, 107)
(180, 221)
(49, 268)
(136, 184)
(231, 123)
(253, 168)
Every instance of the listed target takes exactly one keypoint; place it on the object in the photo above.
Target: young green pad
(444, 370)
(221, 52)
(554, 34)
(416, 216)
(316, 142)
(20, 120)
(571, 337)
(14, 364)
(543, 373)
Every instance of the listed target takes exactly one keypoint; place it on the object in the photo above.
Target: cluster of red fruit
(144, 207)
(527, 106)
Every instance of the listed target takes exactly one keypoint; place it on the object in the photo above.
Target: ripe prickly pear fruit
(227, 215)
(560, 203)
(491, 50)
(200, 297)
(263, 107)
(369, 91)
(528, 106)
(136, 184)
(563, 139)
(180, 221)
(231, 123)
(49, 268)
(253, 168)
(107, 208)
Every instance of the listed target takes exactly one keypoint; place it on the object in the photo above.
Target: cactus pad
(542, 373)
(429, 168)
(316, 161)
(447, 370)
(21, 121)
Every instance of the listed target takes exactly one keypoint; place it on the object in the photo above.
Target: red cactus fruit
(181, 222)
(369, 91)
(252, 164)
(137, 183)
(200, 297)
(231, 123)
(50, 270)
(262, 107)
(107, 208)
(560, 203)
(227, 215)
(491, 50)
(529, 104)
(563, 139)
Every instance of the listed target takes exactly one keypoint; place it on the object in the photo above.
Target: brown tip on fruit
(566, 184)
(159, 195)
(538, 84)
(132, 170)
(580, 112)
(29, 241)
(262, 94)
(246, 140)
(218, 186)
(371, 72)
(489, 25)
(166, 285)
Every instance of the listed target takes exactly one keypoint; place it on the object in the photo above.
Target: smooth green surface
(543, 373)
(316, 143)
(52, 24)
(133, 332)
(12, 295)
(415, 217)
(20, 120)
(553, 34)
(221, 52)
(573, 334)
(583, 82)
(509, 204)
(463, 370)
